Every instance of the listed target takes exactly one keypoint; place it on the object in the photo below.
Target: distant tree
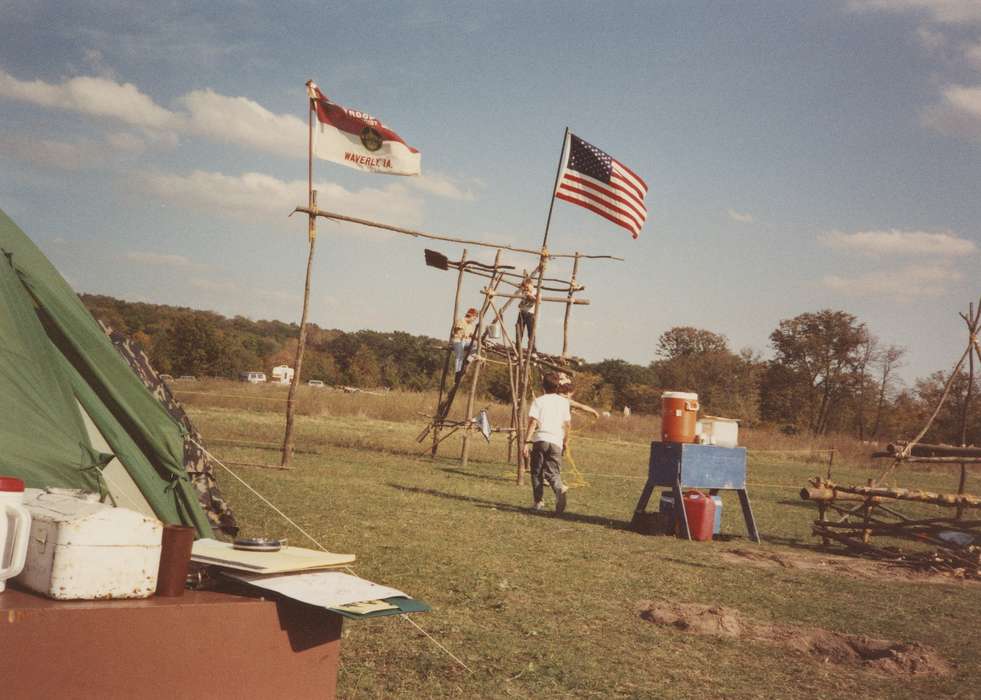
(947, 425)
(817, 354)
(682, 341)
(194, 346)
(888, 360)
(700, 361)
(364, 369)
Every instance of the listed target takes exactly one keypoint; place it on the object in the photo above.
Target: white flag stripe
(626, 182)
(590, 196)
(625, 173)
(602, 188)
(617, 216)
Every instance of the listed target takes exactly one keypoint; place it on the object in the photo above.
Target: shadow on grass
(568, 516)
(474, 475)
(799, 503)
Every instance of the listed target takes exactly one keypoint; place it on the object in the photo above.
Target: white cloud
(896, 242)
(940, 11)
(98, 97)
(242, 121)
(959, 112)
(442, 186)
(256, 194)
(49, 154)
(901, 284)
(217, 286)
(743, 218)
(125, 142)
(973, 54)
(162, 260)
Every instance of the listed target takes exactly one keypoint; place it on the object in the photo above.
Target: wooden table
(200, 645)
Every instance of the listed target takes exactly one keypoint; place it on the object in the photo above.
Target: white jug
(15, 528)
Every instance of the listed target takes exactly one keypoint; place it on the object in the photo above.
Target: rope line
(260, 496)
(316, 542)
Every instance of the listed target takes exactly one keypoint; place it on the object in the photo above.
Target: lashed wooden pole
(568, 307)
(312, 238)
(477, 341)
(449, 354)
(972, 328)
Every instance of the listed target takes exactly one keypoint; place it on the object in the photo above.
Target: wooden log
(901, 494)
(314, 211)
(927, 450)
(927, 460)
(820, 494)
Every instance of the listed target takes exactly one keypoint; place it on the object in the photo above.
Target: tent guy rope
(318, 544)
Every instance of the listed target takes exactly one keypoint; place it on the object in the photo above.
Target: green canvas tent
(73, 413)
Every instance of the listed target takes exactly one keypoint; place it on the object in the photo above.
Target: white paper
(208, 551)
(327, 589)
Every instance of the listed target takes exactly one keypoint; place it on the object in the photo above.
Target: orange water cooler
(679, 412)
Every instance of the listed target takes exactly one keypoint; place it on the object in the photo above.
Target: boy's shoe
(560, 501)
(540, 505)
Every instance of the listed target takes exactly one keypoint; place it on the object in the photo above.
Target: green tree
(194, 346)
(816, 356)
(364, 369)
(684, 341)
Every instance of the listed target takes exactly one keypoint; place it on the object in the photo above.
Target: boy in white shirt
(549, 420)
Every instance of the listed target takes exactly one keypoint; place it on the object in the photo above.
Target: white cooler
(86, 550)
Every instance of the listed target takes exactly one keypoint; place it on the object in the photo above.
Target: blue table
(686, 465)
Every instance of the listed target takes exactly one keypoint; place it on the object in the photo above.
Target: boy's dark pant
(546, 465)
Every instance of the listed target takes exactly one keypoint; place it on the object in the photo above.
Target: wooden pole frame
(312, 238)
(449, 353)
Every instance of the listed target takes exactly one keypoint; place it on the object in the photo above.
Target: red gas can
(700, 510)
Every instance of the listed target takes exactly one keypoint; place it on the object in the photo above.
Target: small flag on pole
(358, 140)
(597, 181)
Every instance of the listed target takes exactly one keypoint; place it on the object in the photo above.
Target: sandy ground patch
(875, 655)
(853, 567)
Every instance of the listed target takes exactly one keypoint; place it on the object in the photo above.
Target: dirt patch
(875, 655)
(852, 567)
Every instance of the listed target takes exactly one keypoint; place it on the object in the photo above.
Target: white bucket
(15, 528)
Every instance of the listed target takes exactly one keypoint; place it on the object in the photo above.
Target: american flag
(599, 182)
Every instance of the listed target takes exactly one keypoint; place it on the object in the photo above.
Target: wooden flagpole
(312, 238)
(525, 369)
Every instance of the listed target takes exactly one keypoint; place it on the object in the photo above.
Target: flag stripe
(594, 205)
(603, 196)
(637, 180)
(611, 190)
(632, 227)
(577, 182)
(627, 183)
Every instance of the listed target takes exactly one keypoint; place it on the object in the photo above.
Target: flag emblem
(371, 139)
(600, 183)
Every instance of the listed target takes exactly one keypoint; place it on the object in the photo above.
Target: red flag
(597, 181)
(358, 140)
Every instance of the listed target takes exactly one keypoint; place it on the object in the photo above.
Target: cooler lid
(687, 396)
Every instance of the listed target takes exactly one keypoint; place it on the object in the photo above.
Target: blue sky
(800, 156)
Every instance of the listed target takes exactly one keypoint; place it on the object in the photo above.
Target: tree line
(828, 372)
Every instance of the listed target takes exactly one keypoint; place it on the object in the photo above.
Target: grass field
(540, 606)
